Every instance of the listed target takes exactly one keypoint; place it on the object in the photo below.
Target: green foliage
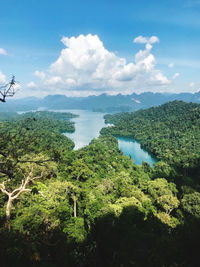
(7, 116)
(94, 206)
(18, 138)
(45, 211)
(13, 116)
(48, 115)
(191, 204)
(75, 229)
(170, 132)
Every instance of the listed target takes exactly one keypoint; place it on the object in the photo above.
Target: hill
(102, 103)
(171, 132)
(94, 206)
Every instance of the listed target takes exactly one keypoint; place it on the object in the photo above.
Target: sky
(81, 48)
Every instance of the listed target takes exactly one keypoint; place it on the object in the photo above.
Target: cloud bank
(85, 67)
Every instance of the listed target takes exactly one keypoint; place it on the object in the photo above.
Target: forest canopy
(94, 206)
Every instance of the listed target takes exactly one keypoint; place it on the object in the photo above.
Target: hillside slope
(171, 132)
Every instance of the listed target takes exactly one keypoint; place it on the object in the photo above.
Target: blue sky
(87, 47)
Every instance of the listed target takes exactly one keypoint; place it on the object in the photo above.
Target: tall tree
(16, 192)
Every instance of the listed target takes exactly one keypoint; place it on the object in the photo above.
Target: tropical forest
(94, 206)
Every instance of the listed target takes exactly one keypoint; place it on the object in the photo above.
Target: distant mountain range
(102, 103)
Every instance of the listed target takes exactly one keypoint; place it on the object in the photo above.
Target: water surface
(88, 126)
(131, 147)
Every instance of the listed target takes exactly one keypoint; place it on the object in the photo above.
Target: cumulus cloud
(176, 75)
(31, 85)
(54, 80)
(40, 74)
(3, 52)
(159, 78)
(85, 65)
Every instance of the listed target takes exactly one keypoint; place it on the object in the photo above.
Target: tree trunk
(74, 199)
(8, 212)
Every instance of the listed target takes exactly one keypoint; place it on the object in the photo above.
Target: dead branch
(7, 90)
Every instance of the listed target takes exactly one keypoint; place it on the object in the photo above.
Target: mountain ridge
(101, 103)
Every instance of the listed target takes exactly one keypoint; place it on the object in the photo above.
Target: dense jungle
(94, 206)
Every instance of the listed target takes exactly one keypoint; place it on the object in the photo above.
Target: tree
(8, 90)
(191, 204)
(163, 194)
(15, 193)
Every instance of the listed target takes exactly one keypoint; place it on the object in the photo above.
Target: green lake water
(131, 147)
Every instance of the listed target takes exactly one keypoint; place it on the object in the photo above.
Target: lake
(88, 126)
(131, 147)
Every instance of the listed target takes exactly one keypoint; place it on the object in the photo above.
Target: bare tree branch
(3, 189)
(7, 90)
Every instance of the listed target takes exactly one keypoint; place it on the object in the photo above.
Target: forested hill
(94, 207)
(171, 131)
(11, 116)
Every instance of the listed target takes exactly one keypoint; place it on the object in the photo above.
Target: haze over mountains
(102, 103)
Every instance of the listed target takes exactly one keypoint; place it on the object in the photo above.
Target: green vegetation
(171, 132)
(94, 207)
(49, 115)
(7, 116)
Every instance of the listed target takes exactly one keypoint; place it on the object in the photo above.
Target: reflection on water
(133, 148)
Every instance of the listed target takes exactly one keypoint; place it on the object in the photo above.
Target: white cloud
(3, 52)
(17, 86)
(176, 75)
(31, 85)
(2, 78)
(146, 40)
(192, 84)
(85, 65)
(40, 74)
(140, 39)
(153, 40)
(160, 79)
(54, 80)
(171, 65)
